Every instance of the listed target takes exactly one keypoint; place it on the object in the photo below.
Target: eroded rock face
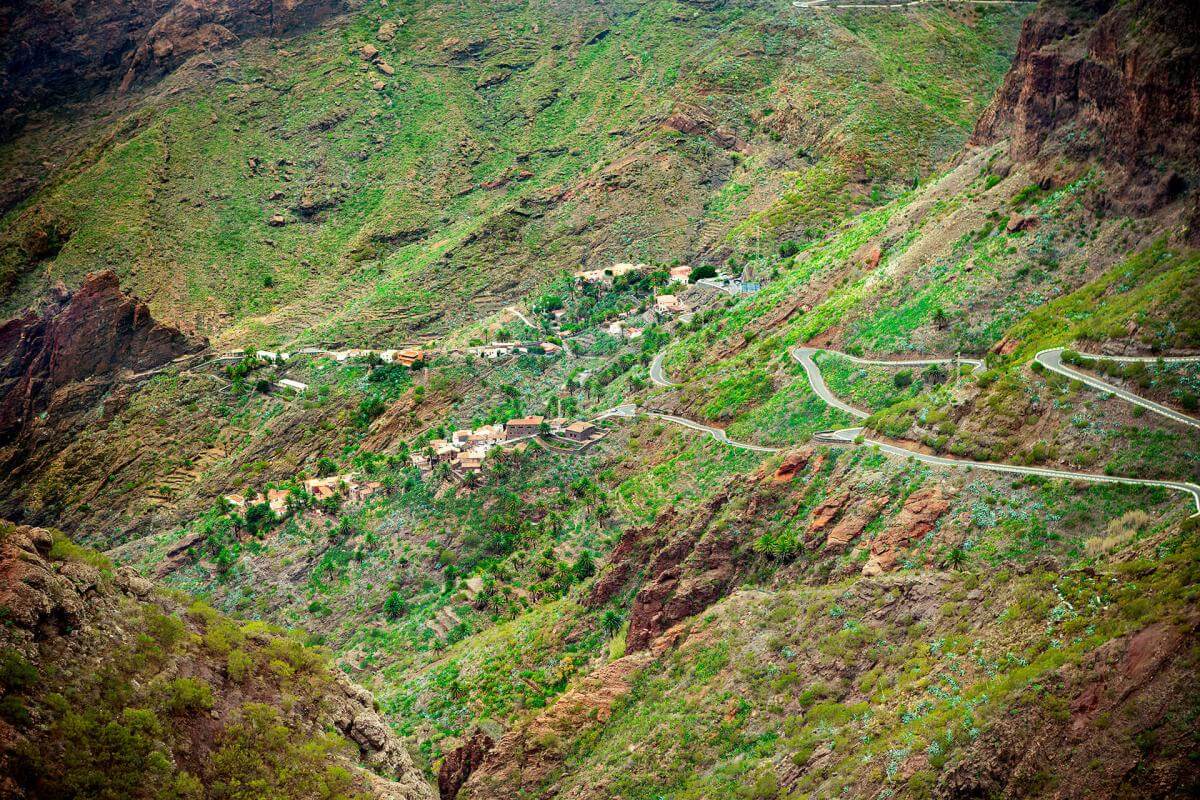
(919, 515)
(461, 762)
(58, 362)
(56, 50)
(1126, 691)
(1115, 81)
(525, 757)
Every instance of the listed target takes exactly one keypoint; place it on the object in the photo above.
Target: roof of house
(581, 427)
(526, 421)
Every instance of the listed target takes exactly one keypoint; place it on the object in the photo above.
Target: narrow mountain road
(715, 433)
(805, 356)
(657, 376)
(901, 4)
(852, 435)
(1052, 360)
(521, 316)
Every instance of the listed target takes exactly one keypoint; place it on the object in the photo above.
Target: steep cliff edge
(109, 687)
(64, 362)
(1115, 82)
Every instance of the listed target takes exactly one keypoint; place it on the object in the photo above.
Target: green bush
(238, 664)
(188, 694)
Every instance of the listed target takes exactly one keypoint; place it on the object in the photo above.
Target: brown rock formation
(920, 513)
(1115, 81)
(59, 362)
(852, 524)
(1128, 691)
(793, 463)
(696, 122)
(460, 762)
(692, 570)
(827, 511)
(677, 592)
(526, 756)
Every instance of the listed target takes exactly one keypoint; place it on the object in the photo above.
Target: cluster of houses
(346, 486)
(466, 450)
(498, 350)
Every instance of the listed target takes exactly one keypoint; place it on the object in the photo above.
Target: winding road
(1051, 359)
(657, 376)
(900, 4)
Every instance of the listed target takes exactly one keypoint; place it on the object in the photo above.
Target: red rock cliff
(1118, 82)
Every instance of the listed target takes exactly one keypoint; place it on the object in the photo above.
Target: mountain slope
(505, 146)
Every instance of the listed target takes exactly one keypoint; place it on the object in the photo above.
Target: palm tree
(956, 558)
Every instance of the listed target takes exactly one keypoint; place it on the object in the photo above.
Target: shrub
(238, 664)
(394, 606)
(1120, 531)
(903, 379)
(188, 694)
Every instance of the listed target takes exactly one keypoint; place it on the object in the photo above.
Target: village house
(485, 435)
(346, 355)
(271, 355)
(580, 431)
(460, 437)
(607, 274)
(277, 499)
(409, 356)
(443, 450)
(472, 460)
(524, 426)
(668, 304)
(681, 273)
(295, 386)
(361, 491)
(550, 348)
(615, 328)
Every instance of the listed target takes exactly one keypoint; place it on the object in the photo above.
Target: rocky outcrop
(678, 591)
(527, 756)
(917, 517)
(697, 122)
(1119, 82)
(692, 570)
(794, 462)
(352, 712)
(852, 524)
(1118, 736)
(60, 361)
(56, 50)
(74, 616)
(461, 762)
